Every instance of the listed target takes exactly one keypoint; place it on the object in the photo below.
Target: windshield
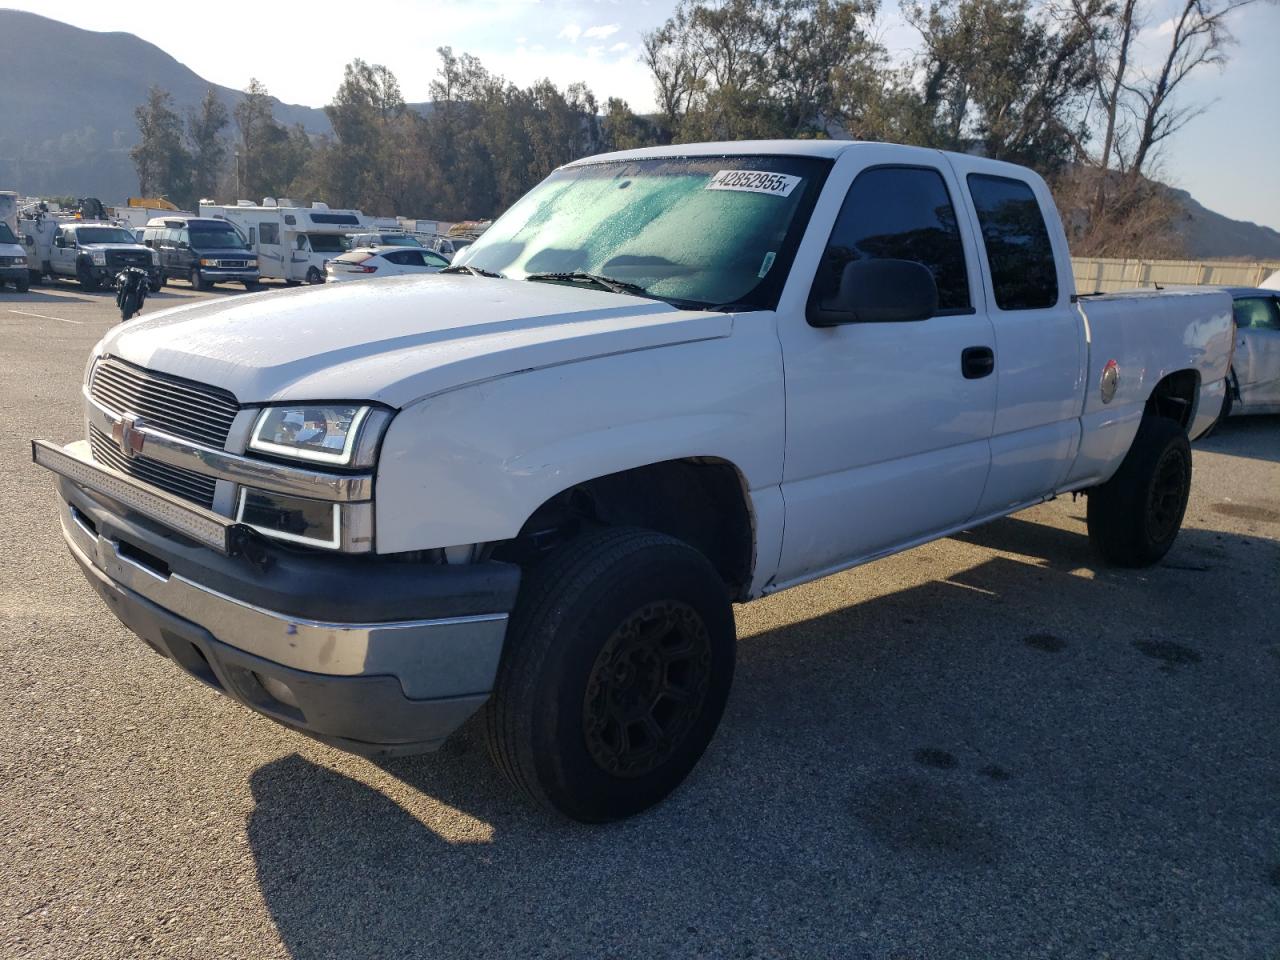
(398, 240)
(325, 243)
(217, 240)
(713, 231)
(103, 235)
(6, 235)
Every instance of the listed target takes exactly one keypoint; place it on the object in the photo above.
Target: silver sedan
(1253, 385)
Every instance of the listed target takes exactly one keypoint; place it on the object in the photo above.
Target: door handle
(977, 362)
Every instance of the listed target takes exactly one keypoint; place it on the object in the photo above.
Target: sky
(1228, 158)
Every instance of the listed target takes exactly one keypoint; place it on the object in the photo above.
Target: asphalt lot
(990, 746)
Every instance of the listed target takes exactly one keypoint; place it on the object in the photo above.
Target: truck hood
(399, 339)
(125, 247)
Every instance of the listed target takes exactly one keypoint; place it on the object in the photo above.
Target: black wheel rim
(1168, 497)
(647, 688)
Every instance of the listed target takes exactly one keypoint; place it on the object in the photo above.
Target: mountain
(67, 98)
(1210, 235)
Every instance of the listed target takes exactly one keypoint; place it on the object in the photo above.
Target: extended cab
(665, 381)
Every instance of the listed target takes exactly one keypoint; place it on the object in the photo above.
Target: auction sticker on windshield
(755, 181)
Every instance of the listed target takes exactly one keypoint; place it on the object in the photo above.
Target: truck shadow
(1256, 437)
(1029, 752)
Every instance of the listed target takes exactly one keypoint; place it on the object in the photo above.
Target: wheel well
(701, 501)
(1174, 397)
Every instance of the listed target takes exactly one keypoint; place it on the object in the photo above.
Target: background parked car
(366, 262)
(13, 260)
(1253, 385)
(383, 239)
(449, 246)
(202, 251)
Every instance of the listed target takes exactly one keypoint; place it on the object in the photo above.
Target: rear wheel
(615, 673)
(1135, 516)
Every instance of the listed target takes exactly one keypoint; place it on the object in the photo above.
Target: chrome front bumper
(379, 686)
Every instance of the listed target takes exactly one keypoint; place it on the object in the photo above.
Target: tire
(84, 276)
(197, 280)
(251, 285)
(37, 278)
(22, 285)
(314, 276)
(1135, 516)
(586, 650)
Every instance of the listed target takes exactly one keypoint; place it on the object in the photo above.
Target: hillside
(67, 98)
(1211, 235)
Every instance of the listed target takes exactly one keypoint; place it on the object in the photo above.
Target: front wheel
(1135, 516)
(615, 673)
(85, 277)
(198, 281)
(314, 276)
(23, 284)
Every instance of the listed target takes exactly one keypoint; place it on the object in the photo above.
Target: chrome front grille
(195, 487)
(183, 408)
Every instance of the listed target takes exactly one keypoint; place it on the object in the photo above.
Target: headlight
(206, 262)
(345, 435)
(99, 258)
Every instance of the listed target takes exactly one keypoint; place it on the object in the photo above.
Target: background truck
(665, 381)
(293, 243)
(89, 251)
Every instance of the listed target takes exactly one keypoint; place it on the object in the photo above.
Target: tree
(761, 68)
(208, 148)
(163, 164)
(364, 113)
(1002, 78)
(261, 143)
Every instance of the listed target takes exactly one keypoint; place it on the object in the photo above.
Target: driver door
(888, 436)
(63, 254)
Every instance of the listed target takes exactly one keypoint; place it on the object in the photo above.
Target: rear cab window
(899, 213)
(1024, 272)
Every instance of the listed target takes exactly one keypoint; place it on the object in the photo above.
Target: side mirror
(58, 241)
(879, 291)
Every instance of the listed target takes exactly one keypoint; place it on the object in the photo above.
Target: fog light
(317, 523)
(278, 689)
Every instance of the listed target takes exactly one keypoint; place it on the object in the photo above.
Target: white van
(293, 242)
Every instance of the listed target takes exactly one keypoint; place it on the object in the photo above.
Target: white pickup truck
(667, 380)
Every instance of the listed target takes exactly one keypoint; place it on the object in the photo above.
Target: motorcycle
(131, 291)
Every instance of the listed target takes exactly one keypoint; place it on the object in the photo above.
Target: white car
(366, 262)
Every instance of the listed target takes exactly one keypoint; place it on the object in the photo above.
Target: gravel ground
(990, 746)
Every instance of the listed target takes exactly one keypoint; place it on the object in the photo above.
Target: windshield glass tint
(216, 240)
(326, 243)
(103, 235)
(400, 241)
(6, 235)
(714, 231)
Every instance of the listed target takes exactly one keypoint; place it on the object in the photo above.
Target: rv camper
(293, 242)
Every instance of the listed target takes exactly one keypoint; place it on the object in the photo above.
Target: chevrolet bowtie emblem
(128, 435)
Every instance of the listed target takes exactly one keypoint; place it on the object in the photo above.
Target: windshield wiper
(475, 272)
(605, 283)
